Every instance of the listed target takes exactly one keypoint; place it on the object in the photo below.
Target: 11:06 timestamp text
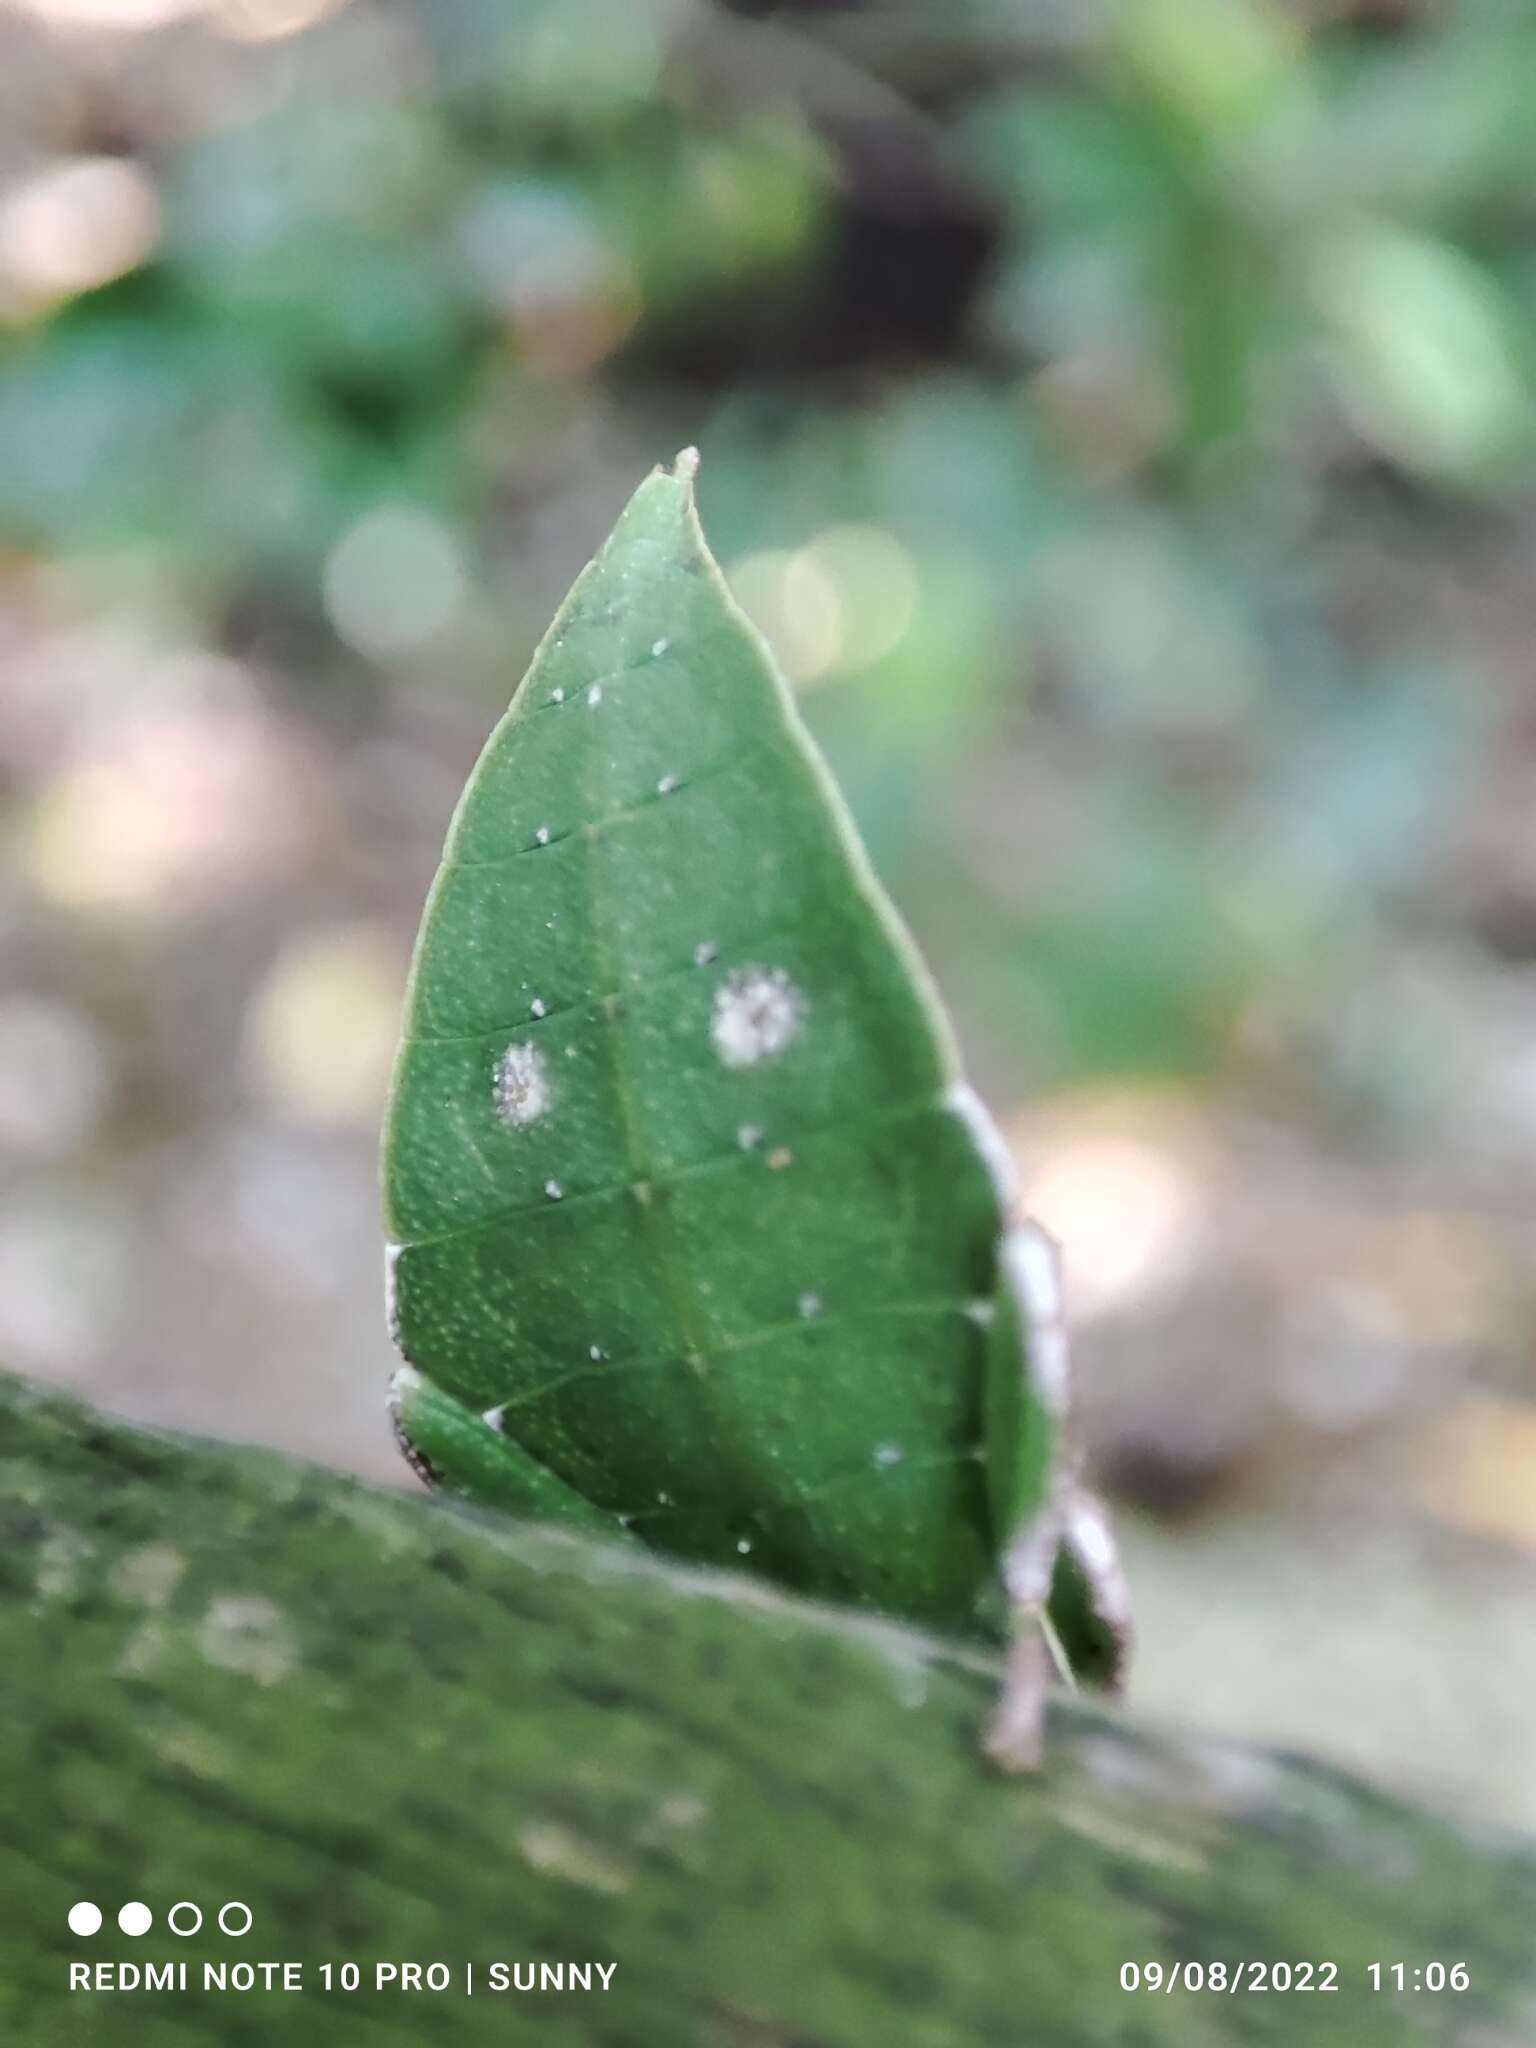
(1419, 1976)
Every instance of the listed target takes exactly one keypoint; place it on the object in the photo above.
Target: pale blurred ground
(1235, 905)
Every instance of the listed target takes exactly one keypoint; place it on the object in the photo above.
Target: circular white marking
(84, 1918)
(810, 1305)
(553, 1189)
(595, 694)
(538, 1006)
(749, 1135)
(758, 1012)
(744, 1544)
(184, 1906)
(594, 1352)
(135, 1917)
(705, 951)
(523, 1092)
(666, 785)
(659, 648)
(557, 696)
(235, 1906)
(888, 1454)
(542, 835)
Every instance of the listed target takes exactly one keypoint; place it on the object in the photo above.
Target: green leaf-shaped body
(696, 1226)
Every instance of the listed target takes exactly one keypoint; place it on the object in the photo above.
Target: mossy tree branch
(404, 1733)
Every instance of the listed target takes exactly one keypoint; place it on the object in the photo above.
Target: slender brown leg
(1068, 1517)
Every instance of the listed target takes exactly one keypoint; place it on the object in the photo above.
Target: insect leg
(1090, 1600)
(1067, 1600)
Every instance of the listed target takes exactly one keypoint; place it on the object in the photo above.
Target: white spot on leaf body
(538, 1006)
(595, 694)
(659, 648)
(542, 835)
(666, 785)
(744, 1544)
(749, 1135)
(757, 1015)
(888, 1454)
(809, 1305)
(705, 951)
(557, 696)
(553, 1189)
(522, 1086)
(495, 1418)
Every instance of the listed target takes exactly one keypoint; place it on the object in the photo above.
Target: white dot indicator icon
(84, 1918)
(135, 1917)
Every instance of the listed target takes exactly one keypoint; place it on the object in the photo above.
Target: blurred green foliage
(1163, 366)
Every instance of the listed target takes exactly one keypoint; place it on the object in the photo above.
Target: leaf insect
(699, 1239)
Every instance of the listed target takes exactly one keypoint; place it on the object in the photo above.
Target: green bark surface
(400, 1732)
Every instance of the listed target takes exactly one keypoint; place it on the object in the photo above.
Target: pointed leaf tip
(686, 467)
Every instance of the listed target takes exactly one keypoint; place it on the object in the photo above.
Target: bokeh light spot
(267, 21)
(877, 590)
(394, 581)
(1119, 1179)
(75, 224)
(795, 605)
(321, 1031)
